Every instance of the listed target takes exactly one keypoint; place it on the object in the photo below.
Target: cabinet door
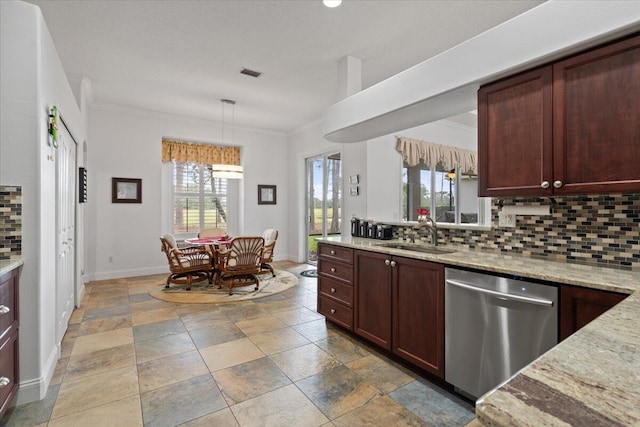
(515, 135)
(372, 311)
(597, 120)
(418, 313)
(579, 306)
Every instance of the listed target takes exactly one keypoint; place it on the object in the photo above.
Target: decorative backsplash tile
(10, 222)
(602, 230)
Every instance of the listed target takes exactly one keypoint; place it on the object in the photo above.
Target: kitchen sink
(418, 248)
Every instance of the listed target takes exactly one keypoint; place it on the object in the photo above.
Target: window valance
(202, 154)
(414, 150)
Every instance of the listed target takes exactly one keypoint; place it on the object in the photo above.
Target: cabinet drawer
(335, 312)
(336, 270)
(8, 363)
(8, 308)
(336, 290)
(336, 252)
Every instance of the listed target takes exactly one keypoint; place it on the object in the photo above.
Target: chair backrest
(211, 232)
(245, 252)
(270, 236)
(168, 242)
(171, 240)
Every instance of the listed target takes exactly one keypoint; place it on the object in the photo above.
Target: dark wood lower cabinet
(418, 313)
(9, 369)
(372, 310)
(399, 305)
(579, 306)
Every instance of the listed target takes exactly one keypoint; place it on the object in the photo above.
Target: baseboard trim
(106, 275)
(36, 389)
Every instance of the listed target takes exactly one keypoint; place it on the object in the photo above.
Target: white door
(65, 229)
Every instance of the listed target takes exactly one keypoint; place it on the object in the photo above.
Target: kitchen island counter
(591, 378)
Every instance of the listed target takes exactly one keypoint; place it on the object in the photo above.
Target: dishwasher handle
(501, 295)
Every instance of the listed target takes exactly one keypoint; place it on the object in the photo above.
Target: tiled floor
(130, 360)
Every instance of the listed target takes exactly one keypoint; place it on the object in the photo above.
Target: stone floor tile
(258, 325)
(248, 380)
(277, 304)
(278, 340)
(168, 370)
(31, 414)
(104, 325)
(315, 330)
(298, 315)
(286, 406)
(302, 362)
(95, 390)
(338, 391)
(229, 354)
(124, 412)
(218, 334)
(102, 340)
(106, 312)
(382, 411)
(151, 316)
(195, 317)
(167, 345)
(382, 373)
(222, 418)
(99, 361)
(435, 406)
(158, 329)
(345, 349)
(181, 402)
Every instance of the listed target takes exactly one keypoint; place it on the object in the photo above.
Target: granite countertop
(591, 378)
(6, 265)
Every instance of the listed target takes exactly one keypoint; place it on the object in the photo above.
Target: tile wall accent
(600, 230)
(10, 222)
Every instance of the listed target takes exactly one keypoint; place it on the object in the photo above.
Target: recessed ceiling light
(332, 3)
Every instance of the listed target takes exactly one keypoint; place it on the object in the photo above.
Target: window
(199, 200)
(450, 196)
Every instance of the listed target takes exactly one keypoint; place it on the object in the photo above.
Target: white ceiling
(182, 57)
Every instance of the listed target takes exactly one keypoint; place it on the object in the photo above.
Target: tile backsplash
(10, 222)
(600, 230)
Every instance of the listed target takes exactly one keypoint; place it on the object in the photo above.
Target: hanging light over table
(227, 171)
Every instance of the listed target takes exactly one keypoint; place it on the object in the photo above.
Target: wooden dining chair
(186, 263)
(270, 236)
(239, 263)
(211, 232)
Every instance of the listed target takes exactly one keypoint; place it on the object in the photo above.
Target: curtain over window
(414, 150)
(202, 154)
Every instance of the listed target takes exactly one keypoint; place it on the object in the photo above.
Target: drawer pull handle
(393, 263)
(557, 184)
(545, 184)
(333, 311)
(387, 262)
(333, 252)
(333, 270)
(4, 381)
(333, 290)
(4, 309)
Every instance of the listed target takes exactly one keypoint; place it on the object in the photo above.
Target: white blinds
(414, 150)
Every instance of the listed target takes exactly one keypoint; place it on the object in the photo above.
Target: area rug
(309, 273)
(204, 293)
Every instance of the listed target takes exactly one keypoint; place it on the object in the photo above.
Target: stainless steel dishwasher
(494, 326)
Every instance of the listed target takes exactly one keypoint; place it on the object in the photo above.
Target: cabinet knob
(4, 381)
(557, 184)
(333, 252)
(387, 262)
(333, 270)
(4, 309)
(545, 184)
(393, 263)
(333, 311)
(333, 290)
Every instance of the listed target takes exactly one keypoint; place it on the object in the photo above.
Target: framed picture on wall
(126, 190)
(266, 194)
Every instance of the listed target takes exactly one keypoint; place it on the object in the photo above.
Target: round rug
(204, 293)
(309, 273)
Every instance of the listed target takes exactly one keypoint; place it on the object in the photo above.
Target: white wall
(32, 80)
(126, 143)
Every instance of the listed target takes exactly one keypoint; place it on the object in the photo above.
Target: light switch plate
(506, 220)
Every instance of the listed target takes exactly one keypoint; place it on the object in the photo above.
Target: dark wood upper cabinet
(515, 135)
(571, 127)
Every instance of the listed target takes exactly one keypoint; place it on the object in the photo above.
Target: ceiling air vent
(251, 73)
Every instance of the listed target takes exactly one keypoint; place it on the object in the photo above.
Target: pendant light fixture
(227, 171)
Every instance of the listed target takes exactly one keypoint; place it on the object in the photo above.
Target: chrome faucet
(432, 228)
